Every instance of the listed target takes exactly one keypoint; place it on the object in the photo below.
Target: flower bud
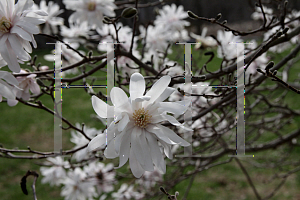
(285, 30)
(192, 15)
(129, 13)
(218, 16)
(269, 65)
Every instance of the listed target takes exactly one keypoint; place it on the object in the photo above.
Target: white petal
(101, 108)
(124, 149)
(136, 145)
(12, 102)
(3, 39)
(10, 57)
(35, 88)
(156, 154)
(21, 32)
(30, 28)
(159, 134)
(172, 107)
(167, 149)
(8, 77)
(110, 151)
(173, 136)
(118, 96)
(135, 167)
(168, 91)
(136, 86)
(173, 121)
(158, 88)
(98, 142)
(123, 122)
(146, 152)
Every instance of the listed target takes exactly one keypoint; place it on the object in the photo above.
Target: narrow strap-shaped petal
(159, 134)
(21, 32)
(173, 136)
(136, 86)
(98, 142)
(118, 96)
(124, 149)
(135, 166)
(101, 108)
(136, 145)
(148, 166)
(156, 154)
(174, 121)
(158, 88)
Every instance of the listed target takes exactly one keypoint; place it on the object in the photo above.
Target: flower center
(141, 117)
(5, 25)
(91, 6)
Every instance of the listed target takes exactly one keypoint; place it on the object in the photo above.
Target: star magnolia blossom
(91, 11)
(229, 50)
(203, 40)
(136, 125)
(6, 88)
(16, 31)
(55, 174)
(78, 139)
(26, 83)
(171, 18)
(51, 21)
(77, 187)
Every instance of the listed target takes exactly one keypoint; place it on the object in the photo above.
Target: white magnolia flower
(135, 132)
(76, 31)
(79, 139)
(156, 39)
(68, 57)
(257, 15)
(149, 179)
(16, 31)
(51, 21)
(26, 83)
(262, 60)
(203, 40)
(127, 193)
(279, 48)
(7, 83)
(170, 18)
(77, 186)
(102, 176)
(124, 36)
(55, 174)
(228, 40)
(92, 11)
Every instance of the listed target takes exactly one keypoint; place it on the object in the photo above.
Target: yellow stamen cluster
(91, 6)
(5, 25)
(141, 117)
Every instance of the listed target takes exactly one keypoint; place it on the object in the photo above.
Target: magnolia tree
(168, 120)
